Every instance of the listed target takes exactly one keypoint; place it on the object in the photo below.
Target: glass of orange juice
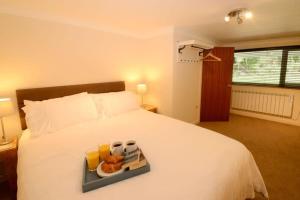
(104, 150)
(92, 157)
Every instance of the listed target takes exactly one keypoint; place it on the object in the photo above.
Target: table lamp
(141, 90)
(6, 108)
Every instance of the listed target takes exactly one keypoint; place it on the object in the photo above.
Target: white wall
(295, 120)
(158, 70)
(178, 85)
(35, 53)
(40, 53)
(187, 80)
(290, 41)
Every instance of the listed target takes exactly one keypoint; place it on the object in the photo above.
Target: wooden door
(216, 86)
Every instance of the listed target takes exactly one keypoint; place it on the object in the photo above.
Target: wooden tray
(92, 181)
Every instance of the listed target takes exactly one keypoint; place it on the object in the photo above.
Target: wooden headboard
(39, 94)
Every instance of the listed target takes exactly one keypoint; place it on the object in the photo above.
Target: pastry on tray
(113, 159)
(112, 163)
(111, 168)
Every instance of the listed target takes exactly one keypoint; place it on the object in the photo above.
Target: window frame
(283, 69)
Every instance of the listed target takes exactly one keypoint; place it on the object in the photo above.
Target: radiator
(275, 104)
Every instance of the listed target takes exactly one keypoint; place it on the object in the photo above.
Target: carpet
(275, 147)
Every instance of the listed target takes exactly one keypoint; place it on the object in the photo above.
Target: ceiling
(271, 18)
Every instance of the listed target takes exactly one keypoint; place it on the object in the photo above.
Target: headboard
(39, 94)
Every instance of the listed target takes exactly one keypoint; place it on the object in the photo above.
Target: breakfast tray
(92, 181)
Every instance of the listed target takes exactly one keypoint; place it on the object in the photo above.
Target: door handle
(229, 85)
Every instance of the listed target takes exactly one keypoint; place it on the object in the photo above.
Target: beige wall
(295, 120)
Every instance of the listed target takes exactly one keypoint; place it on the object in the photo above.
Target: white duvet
(187, 162)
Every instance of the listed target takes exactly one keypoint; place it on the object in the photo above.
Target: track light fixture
(240, 14)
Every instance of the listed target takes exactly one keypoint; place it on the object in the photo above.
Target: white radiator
(266, 103)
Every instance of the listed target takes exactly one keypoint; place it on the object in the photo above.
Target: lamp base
(4, 142)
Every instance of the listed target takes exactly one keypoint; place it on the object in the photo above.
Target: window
(293, 68)
(274, 66)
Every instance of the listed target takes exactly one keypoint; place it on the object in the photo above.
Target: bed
(187, 161)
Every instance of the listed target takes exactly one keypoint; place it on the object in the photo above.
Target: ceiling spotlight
(248, 15)
(227, 18)
(240, 14)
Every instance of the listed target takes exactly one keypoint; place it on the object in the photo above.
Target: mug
(131, 146)
(117, 148)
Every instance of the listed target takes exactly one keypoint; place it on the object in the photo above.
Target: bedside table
(8, 165)
(149, 108)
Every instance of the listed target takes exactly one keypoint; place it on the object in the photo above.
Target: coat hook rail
(193, 46)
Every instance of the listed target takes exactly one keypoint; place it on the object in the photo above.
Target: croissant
(113, 159)
(110, 168)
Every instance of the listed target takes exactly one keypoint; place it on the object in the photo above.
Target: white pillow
(54, 114)
(114, 103)
(99, 103)
(36, 118)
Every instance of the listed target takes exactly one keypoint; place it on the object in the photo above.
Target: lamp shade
(141, 88)
(6, 107)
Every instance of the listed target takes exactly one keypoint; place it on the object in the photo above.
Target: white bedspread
(187, 162)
